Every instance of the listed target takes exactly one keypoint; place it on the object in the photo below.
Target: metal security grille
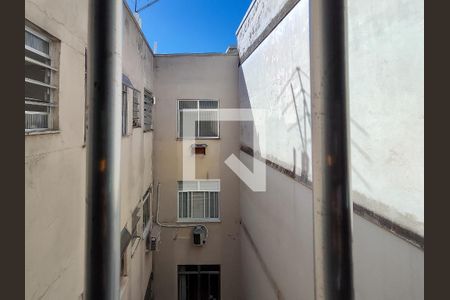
(148, 111)
(199, 282)
(203, 114)
(124, 110)
(198, 200)
(135, 217)
(146, 209)
(136, 108)
(40, 91)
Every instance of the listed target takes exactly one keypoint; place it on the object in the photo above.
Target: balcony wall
(386, 108)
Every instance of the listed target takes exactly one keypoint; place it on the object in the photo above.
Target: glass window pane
(188, 123)
(209, 104)
(124, 110)
(37, 43)
(136, 108)
(37, 93)
(36, 120)
(37, 57)
(198, 199)
(208, 125)
(148, 109)
(214, 205)
(184, 205)
(207, 209)
(38, 73)
(187, 104)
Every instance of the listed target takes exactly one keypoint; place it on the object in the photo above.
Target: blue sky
(196, 26)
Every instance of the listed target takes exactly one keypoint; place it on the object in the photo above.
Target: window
(146, 209)
(136, 109)
(40, 81)
(125, 238)
(148, 111)
(199, 282)
(124, 110)
(146, 220)
(134, 222)
(203, 113)
(198, 200)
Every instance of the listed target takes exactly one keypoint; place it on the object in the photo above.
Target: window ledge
(198, 221)
(198, 139)
(44, 132)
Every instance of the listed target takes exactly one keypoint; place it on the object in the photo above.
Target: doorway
(199, 282)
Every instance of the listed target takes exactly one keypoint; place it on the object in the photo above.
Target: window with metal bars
(41, 89)
(135, 217)
(136, 109)
(198, 200)
(148, 111)
(198, 282)
(146, 209)
(124, 110)
(198, 119)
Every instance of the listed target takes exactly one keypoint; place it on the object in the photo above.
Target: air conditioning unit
(199, 235)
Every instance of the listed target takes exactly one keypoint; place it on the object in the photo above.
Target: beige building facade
(55, 152)
(210, 77)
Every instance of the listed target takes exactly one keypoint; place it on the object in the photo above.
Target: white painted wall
(280, 223)
(386, 73)
(55, 164)
(258, 17)
(386, 106)
(386, 101)
(284, 59)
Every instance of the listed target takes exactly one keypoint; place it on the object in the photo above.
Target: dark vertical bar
(330, 135)
(103, 150)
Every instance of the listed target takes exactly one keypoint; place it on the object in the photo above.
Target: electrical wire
(166, 225)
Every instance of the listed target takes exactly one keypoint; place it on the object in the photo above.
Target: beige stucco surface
(55, 166)
(196, 77)
(281, 258)
(55, 163)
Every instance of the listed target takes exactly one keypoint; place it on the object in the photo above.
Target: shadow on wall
(303, 123)
(292, 98)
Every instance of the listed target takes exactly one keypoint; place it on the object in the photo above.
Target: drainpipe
(102, 252)
(330, 137)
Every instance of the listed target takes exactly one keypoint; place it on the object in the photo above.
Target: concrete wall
(386, 104)
(196, 77)
(386, 73)
(55, 162)
(137, 155)
(277, 239)
(277, 248)
(387, 142)
(54, 165)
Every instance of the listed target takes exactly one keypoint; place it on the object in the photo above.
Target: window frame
(52, 106)
(199, 220)
(146, 213)
(136, 217)
(124, 110)
(198, 109)
(148, 127)
(198, 272)
(139, 119)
